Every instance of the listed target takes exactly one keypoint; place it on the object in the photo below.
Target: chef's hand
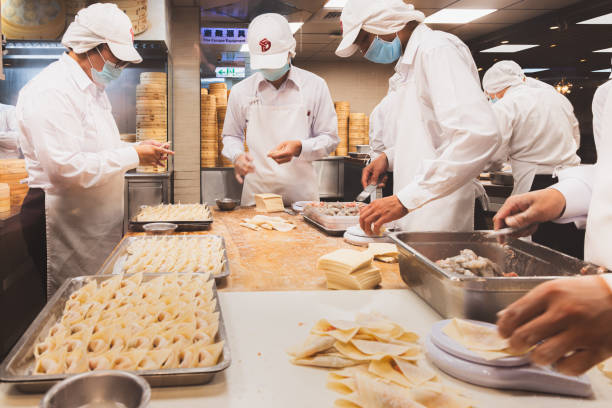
(382, 211)
(286, 151)
(530, 209)
(374, 171)
(152, 155)
(570, 315)
(243, 165)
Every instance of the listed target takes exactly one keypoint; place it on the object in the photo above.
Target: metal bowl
(109, 388)
(227, 204)
(160, 228)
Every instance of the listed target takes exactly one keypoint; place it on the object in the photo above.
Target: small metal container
(475, 297)
(160, 228)
(227, 204)
(364, 149)
(108, 388)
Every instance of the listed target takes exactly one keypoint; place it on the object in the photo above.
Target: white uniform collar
(413, 44)
(293, 77)
(76, 72)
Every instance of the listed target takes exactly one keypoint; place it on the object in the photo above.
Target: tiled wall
(185, 73)
(363, 84)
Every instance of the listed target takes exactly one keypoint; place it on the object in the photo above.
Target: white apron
(267, 127)
(84, 225)
(524, 174)
(413, 146)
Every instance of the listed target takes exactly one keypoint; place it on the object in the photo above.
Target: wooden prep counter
(272, 260)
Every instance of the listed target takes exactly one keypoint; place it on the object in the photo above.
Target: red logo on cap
(265, 45)
(132, 33)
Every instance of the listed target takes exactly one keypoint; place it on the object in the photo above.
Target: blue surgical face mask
(108, 74)
(384, 52)
(274, 74)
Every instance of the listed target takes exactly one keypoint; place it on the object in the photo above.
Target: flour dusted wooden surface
(272, 260)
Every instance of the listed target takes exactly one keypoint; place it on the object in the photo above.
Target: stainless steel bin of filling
(473, 297)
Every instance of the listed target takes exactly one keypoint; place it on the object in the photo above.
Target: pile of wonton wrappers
(382, 365)
(259, 222)
(127, 324)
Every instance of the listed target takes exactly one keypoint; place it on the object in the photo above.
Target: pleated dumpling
(209, 355)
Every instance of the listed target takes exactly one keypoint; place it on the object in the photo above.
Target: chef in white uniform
(599, 101)
(72, 146)
(571, 315)
(540, 135)
(288, 116)
(9, 144)
(445, 130)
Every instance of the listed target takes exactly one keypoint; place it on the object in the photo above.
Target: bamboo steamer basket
(219, 90)
(5, 197)
(29, 20)
(128, 137)
(357, 130)
(204, 91)
(208, 131)
(152, 110)
(136, 10)
(343, 109)
(12, 171)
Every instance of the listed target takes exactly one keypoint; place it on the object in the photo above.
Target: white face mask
(109, 73)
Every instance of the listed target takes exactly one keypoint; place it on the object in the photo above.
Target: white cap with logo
(380, 17)
(270, 41)
(102, 23)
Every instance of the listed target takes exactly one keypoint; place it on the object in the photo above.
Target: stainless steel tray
(17, 366)
(328, 231)
(472, 297)
(114, 262)
(184, 226)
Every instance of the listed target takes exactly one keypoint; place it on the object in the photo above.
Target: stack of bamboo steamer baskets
(5, 197)
(208, 130)
(72, 9)
(219, 90)
(12, 171)
(128, 137)
(357, 130)
(343, 110)
(28, 20)
(136, 10)
(222, 161)
(152, 112)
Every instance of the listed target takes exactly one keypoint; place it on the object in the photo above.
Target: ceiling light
(607, 70)
(295, 27)
(605, 19)
(505, 42)
(510, 48)
(335, 4)
(553, 45)
(480, 69)
(457, 16)
(244, 48)
(583, 60)
(534, 70)
(554, 27)
(604, 50)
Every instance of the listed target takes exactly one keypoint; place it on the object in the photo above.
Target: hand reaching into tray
(567, 320)
(530, 209)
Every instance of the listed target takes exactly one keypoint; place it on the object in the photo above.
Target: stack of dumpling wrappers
(259, 222)
(381, 365)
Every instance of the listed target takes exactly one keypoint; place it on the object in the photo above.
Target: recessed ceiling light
(295, 27)
(534, 70)
(510, 48)
(335, 4)
(505, 42)
(457, 16)
(244, 48)
(604, 50)
(553, 45)
(583, 60)
(605, 19)
(607, 70)
(554, 27)
(480, 69)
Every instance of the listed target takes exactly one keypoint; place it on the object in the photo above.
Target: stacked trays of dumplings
(188, 217)
(333, 218)
(193, 353)
(169, 253)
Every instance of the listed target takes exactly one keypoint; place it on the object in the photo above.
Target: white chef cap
(378, 17)
(102, 23)
(502, 75)
(271, 41)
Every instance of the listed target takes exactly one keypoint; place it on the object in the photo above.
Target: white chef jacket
(62, 148)
(301, 87)
(380, 141)
(599, 102)
(9, 143)
(537, 127)
(454, 113)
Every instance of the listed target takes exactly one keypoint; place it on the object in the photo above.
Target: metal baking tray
(473, 297)
(17, 366)
(332, 232)
(183, 226)
(114, 262)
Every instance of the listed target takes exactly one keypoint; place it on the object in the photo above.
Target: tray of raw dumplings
(169, 253)
(188, 217)
(167, 328)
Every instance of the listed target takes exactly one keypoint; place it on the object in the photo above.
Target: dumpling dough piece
(344, 260)
(328, 360)
(250, 226)
(268, 203)
(312, 345)
(363, 279)
(349, 269)
(383, 252)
